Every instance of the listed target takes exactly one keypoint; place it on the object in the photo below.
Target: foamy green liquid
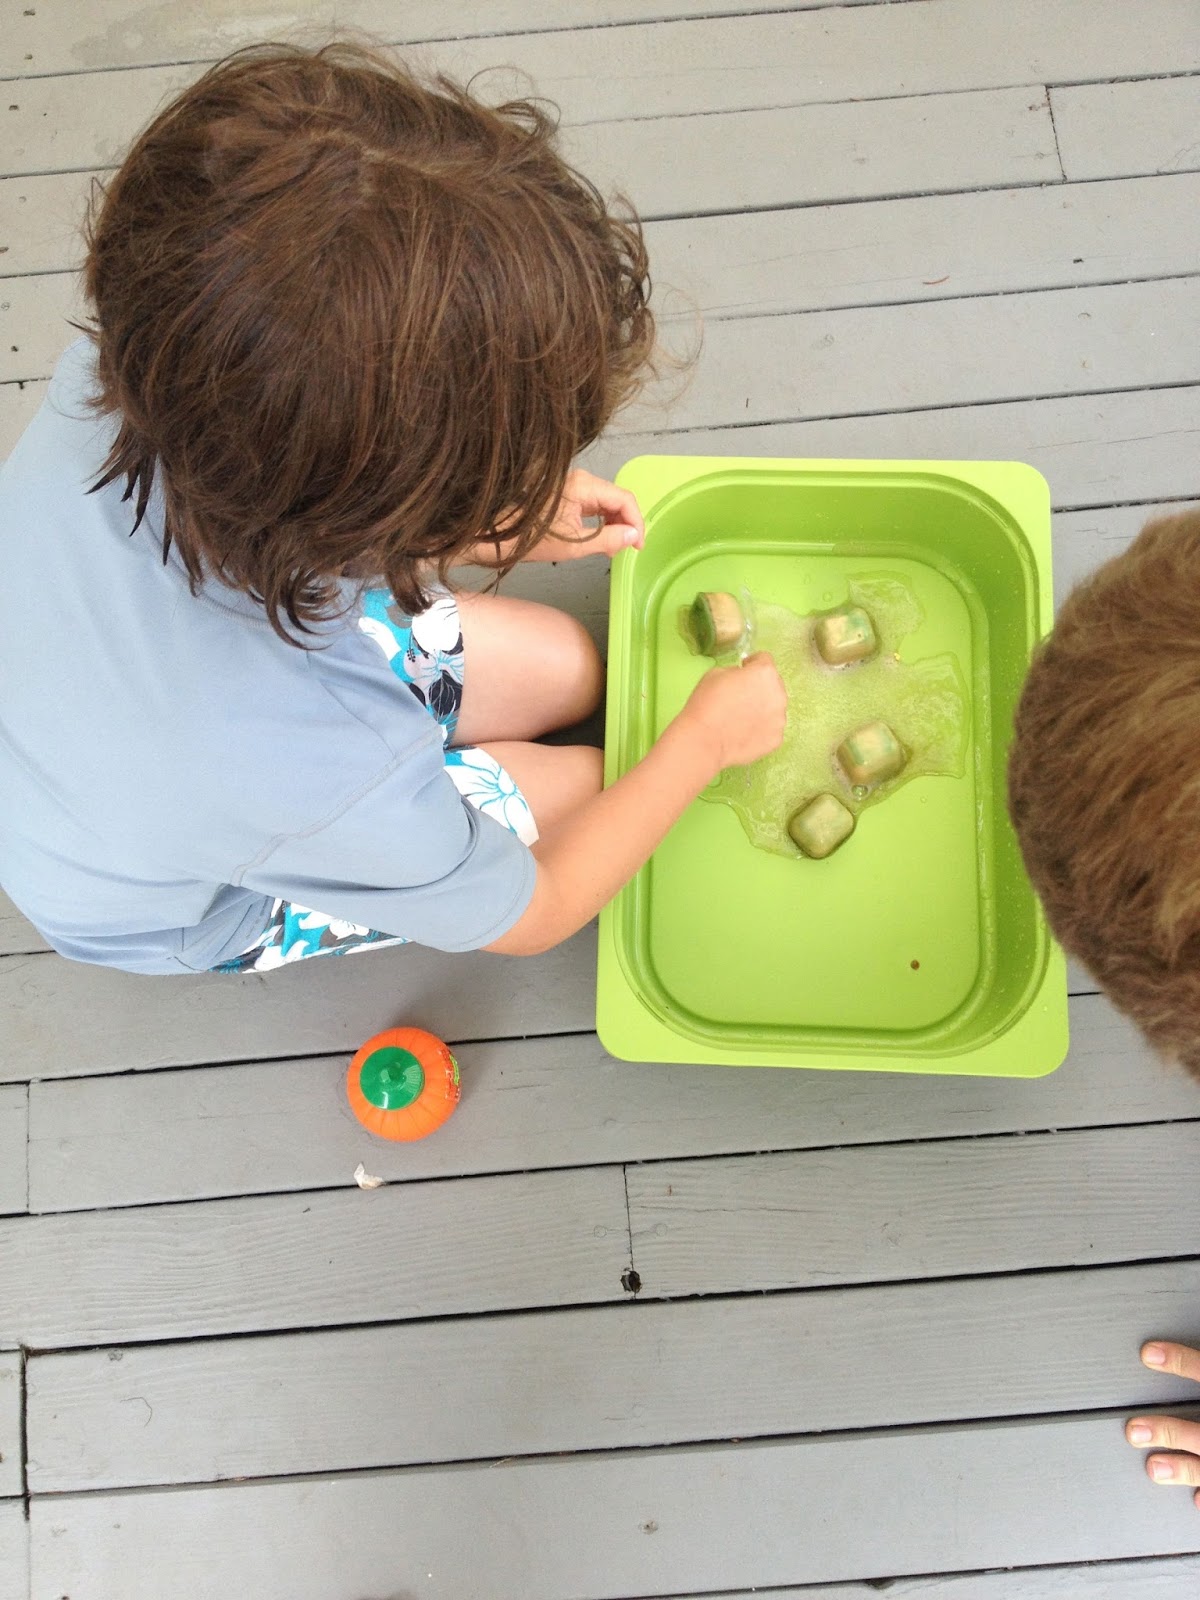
(923, 702)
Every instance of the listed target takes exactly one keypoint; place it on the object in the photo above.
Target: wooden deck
(886, 1331)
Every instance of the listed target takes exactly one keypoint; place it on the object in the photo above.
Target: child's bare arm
(734, 716)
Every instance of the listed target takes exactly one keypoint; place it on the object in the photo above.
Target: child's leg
(554, 779)
(527, 670)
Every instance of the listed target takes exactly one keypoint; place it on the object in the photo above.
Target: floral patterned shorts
(426, 654)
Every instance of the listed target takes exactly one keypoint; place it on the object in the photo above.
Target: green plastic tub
(917, 947)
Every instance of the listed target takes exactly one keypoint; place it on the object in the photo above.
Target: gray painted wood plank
(889, 1212)
(645, 1523)
(928, 247)
(40, 222)
(17, 936)
(64, 1019)
(315, 1259)
(1174, 1578)
(734, 63)
(1106, 129)
(804, 259)
(1083, 540)
(14, 1552)
(1094, 450)
(623, 1376)
(680, 166)
(946, 352)
(534, 1103)
(14, 1134)
(784, 57)
(34, 326)
(124, 33)
(11, 1400)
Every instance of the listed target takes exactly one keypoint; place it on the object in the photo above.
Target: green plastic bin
(718, 952)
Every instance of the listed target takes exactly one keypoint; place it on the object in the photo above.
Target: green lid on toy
(391, 1078)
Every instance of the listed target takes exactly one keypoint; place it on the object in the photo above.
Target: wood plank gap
(1125, 505)
(790, 1505)
(711, 1296)
(1054, 130)
(410, 1185)
(832, 1436)
(333, 1055)
(1117, 77)
(37, 1352)
(683, 318)
(873, 1144)
(840, 200)
(892, 411)
(905, 1585)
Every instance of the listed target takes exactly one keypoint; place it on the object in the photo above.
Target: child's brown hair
(354, 322)
(1104, 780)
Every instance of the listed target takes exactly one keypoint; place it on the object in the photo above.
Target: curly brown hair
(1104, 781)
(354, 322)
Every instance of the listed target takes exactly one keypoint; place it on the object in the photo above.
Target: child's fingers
(1169, 1433)
(1174, 1470)
(1180, 1359)
(616, 505)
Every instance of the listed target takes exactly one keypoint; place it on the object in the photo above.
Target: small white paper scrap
(365, 1180)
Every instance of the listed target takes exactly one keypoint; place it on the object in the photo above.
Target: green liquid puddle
(923, 702)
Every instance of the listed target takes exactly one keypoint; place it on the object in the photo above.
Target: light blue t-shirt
(169, 765)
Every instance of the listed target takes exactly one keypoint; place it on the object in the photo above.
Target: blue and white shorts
(426, 654)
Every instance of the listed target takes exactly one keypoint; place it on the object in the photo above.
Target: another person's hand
(1180, 1439)
(741, 711)
(621, 526)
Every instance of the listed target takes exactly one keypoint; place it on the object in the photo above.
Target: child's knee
(578, 669)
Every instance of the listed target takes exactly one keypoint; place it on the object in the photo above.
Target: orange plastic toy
(403, 1083)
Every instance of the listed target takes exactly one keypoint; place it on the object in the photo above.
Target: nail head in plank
(638, 1375)
(641, 1523)
(554, 1102)
(313, 1259)
(911, 1211)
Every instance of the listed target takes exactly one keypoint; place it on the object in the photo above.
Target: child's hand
(740, 711)
(1181, 1438)
(585, 495)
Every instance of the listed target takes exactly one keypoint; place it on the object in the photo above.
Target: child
(1104, 781)
(350, 329)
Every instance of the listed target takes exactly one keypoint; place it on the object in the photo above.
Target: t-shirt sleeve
(406, 855)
